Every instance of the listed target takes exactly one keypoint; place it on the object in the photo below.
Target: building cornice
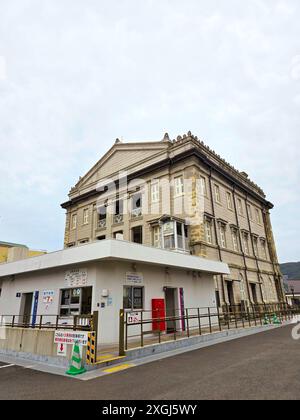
(217, 165)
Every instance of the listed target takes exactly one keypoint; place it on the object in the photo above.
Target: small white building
(106, 276)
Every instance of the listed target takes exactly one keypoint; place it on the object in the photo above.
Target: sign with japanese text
(77, 277)
(134, 278)
(71, 337)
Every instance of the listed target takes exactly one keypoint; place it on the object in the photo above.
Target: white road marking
(6, 366)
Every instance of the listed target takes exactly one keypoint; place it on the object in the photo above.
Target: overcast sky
(75, 75)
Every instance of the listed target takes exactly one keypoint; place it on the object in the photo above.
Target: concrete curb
(189, 344)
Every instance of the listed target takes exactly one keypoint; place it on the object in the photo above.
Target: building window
(102, 211)
(76, 301)
(203, 186)
(84, 241)
(217, 194)
(137, 235)
(155, 193)
(86, 216)
(181, 235)
(137, 203)
(222, 230)
(246, 243)
(171, 235)
(250, 212)
(264, 249)
(229, 201)
(179, 186)
(208, 231)
(119, 236)
(235, 241)
(133, 297)
(218, 300)
(74, 221)
(119, 211)
(156, 237)
(101, 238)
(240, 207)
(258, 216)
(255, 246)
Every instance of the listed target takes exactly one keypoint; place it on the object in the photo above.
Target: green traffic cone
(276, 321)
(76, 367)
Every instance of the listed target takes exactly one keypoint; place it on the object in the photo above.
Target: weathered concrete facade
(216, 212)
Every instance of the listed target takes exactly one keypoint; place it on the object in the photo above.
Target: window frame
(235, 240)
(258, 216)
(133, 233)
(222, 233)
(217, 193)
(132, 298)
(155, 192)
(229, 200)
(203, 186)
(240, 207)
(246, 245)
(178, 187)
(208, 231)
(74, 221)
(86, 217)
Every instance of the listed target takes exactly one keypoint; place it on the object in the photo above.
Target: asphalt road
(263, 366)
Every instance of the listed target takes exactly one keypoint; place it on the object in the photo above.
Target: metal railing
(139, 328)
(49, 322)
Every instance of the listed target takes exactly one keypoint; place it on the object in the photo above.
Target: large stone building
(180, 195)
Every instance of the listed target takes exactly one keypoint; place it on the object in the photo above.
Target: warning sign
(71, 337)
(62, 350)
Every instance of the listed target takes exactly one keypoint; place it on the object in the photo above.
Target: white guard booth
(106, 276)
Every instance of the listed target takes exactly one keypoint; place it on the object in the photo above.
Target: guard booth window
(133, 297)
(76, 301)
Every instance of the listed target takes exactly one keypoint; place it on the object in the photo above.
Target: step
(104, 360)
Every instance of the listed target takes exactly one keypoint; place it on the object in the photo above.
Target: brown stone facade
(180, 195)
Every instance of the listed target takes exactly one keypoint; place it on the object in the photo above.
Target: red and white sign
(62, 350)
(71, 337)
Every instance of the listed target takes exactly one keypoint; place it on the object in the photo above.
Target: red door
(158, 312)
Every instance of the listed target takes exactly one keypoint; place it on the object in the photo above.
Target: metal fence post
(142, 329)
(254, 314)
(235, 318)
(219, 319)
(95, 328)
(209, 318)
(199, 320)
(121, 334)
(248, 313)
(187, 322)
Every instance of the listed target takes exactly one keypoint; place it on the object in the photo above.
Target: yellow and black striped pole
(91, 354)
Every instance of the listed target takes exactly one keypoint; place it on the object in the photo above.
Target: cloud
(2, 68)
(82, 74)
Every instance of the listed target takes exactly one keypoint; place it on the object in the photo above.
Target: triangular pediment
(120, 157)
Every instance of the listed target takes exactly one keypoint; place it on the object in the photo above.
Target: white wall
(198, 292)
